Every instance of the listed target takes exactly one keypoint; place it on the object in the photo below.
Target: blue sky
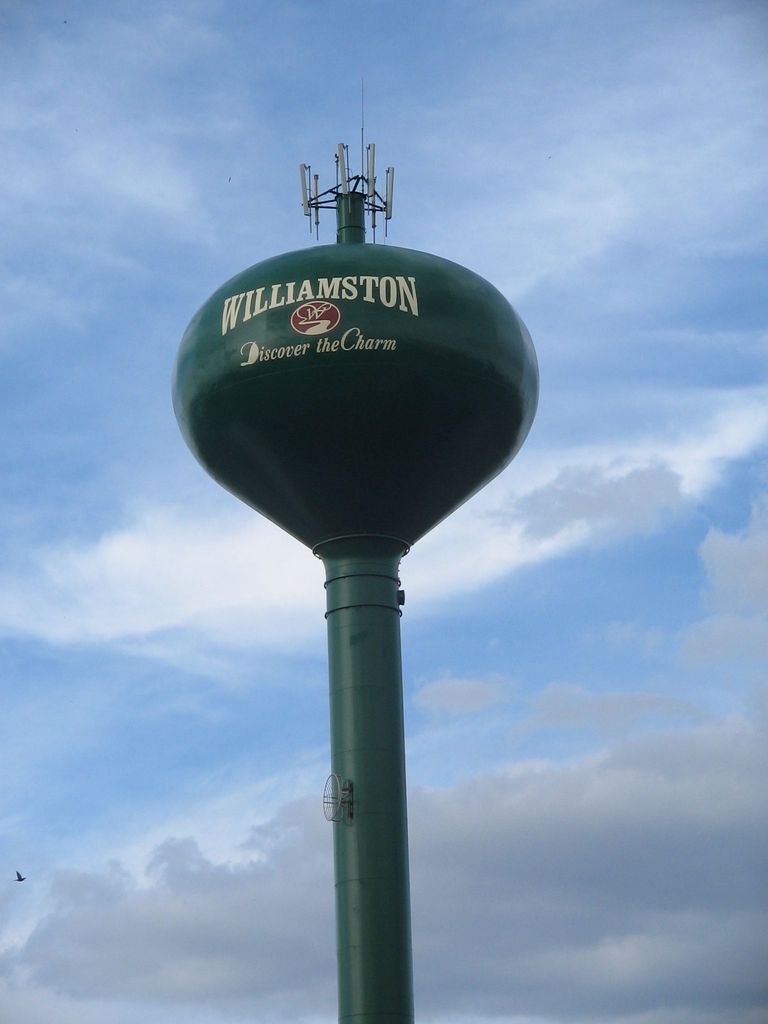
(584, 642)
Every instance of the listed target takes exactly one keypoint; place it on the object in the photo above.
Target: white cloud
(729, 639)
(453, 696)
(237, 577)
(200, 932)
(632, 637)
(595, 884)
(737, 564)
(737, 570)
(237, 581)
(567, 705)
(553, 502)
(105, 164)
(623, 883)
(602, 498)
(649, 152)
(107, 131)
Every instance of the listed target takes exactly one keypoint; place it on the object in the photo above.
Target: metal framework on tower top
(362, 185)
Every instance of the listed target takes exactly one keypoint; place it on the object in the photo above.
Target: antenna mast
(352, 196)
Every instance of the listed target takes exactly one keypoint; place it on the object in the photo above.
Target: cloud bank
(236, 580)
(624, 883)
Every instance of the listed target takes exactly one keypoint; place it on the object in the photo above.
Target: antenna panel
(343, 169)
(303, 174)
(371, 170)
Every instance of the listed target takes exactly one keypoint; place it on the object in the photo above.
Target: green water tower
(356, 394)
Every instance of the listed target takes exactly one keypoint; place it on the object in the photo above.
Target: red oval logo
(315, 317)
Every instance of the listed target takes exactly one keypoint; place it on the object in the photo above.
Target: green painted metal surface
(373, 932)
(355, 389)
(350, 218)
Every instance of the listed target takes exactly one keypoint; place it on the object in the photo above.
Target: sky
(585, 642)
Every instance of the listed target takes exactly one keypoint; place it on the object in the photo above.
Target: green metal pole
(373, 929)
(350, 218)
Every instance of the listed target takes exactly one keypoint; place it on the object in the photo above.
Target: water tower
(356, 394)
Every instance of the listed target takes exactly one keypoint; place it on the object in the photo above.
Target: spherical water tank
(355, 389)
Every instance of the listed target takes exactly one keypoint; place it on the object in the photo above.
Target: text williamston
(391, 292)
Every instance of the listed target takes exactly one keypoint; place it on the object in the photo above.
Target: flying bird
(20, 877)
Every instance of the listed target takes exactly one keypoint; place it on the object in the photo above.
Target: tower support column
(350, 218)
(373, 928)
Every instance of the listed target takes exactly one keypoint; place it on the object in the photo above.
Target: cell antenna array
(347, 183)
